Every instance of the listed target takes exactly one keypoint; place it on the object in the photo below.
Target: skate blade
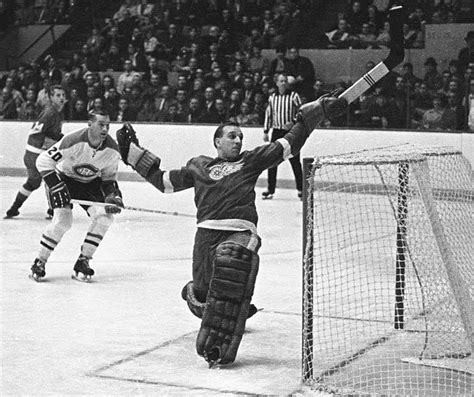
(82, 279)
(37, 279)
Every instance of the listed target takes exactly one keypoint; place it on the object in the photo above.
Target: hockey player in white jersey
(83, 165)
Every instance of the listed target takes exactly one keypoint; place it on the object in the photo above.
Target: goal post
(388, 280)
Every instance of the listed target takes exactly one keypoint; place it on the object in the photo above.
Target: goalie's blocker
(227, 304)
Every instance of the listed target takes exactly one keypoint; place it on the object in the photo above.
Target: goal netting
(388, 281)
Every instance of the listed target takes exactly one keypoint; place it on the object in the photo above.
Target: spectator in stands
(80, 112)
(90, 97)
(144, 7)
(383, 38)
(303, 70)
(469, 105)
(248, 90)
(340, 37)
(432, 78)
(150, 42)
(254, 40)
(227, 44)
(356, 17)
(279, 63)
(233, 108)
(257, 62)
(272, 39)
(54, 73)
(95, 41)
(68, 109)
(111, 100)
(163, 101)
(217, 78)
(221, 111)
(197, 90)
(148, 111)
(181, 98)
(137, 57)
(380, 112)
(466, 54)
(43, 97)
(213, 56)
(439, 117)
(374, 18)
(237, 75)
(194, 113)
(410, 35)
(173, 116)
(28, 109)
(245, 116)
(209, 111)
(455, 104)
(408, 76)
(124, 113)
(366, 39)
(422, 101)
(125, 79)
(319, 89)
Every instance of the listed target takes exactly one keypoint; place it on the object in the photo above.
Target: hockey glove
(125, 136)
(117, 202)
(333, 107)
(58, 191)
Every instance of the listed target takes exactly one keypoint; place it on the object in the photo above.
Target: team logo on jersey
(85, 170)
(37, 127)
(221, 170)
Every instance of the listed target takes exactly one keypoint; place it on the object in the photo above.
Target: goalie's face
(229, 144)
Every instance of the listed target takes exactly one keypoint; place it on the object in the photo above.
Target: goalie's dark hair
(94, 113)
(220, 130)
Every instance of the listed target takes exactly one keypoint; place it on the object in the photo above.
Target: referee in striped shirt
(281, 109)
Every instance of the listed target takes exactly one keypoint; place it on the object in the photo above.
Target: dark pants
(295, 166)
(34, 177)
(206, 242)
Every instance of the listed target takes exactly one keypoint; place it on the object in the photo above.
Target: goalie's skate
(82, 271)
(37, 270)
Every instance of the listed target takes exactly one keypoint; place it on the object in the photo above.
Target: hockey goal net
(388, 281)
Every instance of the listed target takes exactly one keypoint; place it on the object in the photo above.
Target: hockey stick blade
(394, 58)
(100, 204)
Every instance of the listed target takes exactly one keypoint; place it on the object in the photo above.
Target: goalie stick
(100, 204)
(395, 57)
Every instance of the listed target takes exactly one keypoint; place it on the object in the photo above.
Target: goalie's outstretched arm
(146, 164)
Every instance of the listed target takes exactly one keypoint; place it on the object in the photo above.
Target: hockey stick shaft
(138, 209)
(394, 58)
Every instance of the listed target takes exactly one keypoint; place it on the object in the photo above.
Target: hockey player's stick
(99, 204)
(394, 58)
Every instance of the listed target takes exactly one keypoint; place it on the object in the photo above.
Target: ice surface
(129, 332)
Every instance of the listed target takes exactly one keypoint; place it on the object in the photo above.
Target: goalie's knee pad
(194, 304)
(227, 305)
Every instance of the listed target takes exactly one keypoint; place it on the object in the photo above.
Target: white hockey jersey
(74, 157)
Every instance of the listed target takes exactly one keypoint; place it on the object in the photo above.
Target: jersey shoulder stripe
(73, 139)
(110, 143)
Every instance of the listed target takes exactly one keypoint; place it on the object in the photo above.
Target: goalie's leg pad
(227, 305)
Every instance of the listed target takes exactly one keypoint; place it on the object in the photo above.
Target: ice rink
(129, 332)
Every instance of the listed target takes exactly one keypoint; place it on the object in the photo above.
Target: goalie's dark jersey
(224, 190)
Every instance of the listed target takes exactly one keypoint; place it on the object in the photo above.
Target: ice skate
(82, 270)
(38, 270)
(11, 213)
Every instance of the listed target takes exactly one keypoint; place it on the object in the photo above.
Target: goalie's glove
(125, 136)
(333, 105)
(58, 191)
(117, 202)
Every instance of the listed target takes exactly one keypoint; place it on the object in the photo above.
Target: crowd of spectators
(201, 62)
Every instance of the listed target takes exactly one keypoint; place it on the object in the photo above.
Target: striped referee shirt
(281, 109)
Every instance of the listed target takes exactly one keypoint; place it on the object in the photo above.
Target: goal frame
(417, 161)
